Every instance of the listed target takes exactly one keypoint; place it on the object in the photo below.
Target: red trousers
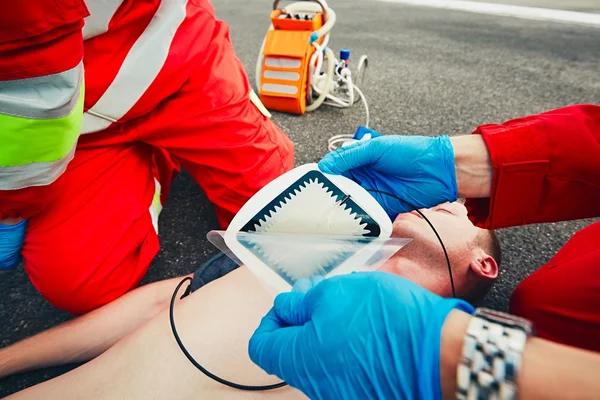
(90, 236)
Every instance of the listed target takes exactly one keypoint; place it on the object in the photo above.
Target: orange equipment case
(286, 55)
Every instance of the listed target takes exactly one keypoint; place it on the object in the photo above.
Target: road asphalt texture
(431, 72)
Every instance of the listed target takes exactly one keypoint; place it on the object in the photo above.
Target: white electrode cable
(338, 140)
(328, 79)
(334, 101)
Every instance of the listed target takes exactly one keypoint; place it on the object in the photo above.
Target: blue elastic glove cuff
(11, 241)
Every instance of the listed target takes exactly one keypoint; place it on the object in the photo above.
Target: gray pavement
(431, 72)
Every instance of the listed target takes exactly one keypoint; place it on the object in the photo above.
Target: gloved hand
(11, 241)
(367, 335)
(417, 169)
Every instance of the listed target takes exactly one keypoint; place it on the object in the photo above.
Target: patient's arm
(215, 324)
(86, 337)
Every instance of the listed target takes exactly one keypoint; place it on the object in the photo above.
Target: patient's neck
(427, 276)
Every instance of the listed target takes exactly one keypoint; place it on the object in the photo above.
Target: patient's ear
(483, 264)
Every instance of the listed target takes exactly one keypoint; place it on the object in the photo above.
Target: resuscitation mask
(307, 224)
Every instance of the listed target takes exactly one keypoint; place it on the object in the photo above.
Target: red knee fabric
(563, 297)
(95, 240)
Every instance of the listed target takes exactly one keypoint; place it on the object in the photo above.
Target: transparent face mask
(279, 260)
(307, 224)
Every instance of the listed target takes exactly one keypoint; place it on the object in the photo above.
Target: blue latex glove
(11, 241)
(418, 169)
(367, 335)
(304, 285)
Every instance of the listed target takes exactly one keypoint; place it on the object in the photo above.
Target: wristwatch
(492, 353)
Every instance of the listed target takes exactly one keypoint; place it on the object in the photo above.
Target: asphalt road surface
(431, 72)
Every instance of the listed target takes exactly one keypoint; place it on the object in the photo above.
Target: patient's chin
(407, 226)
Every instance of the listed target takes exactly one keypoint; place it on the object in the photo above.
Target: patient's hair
(489, 242)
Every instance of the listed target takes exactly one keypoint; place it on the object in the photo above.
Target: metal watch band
(491, 357)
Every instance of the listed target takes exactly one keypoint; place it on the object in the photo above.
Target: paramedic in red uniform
(101, 103)
(541, 168)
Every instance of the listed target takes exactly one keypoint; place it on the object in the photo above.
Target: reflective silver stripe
(282, 62)
(101, 12)
(36, 174)
(141, 66)
(283, 76)
(275, 88)
(44, 97)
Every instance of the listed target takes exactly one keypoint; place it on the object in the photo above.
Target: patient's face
(449, 219)
(422, 260)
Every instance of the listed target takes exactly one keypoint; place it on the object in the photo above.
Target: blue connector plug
(344, 54)
(363, 130)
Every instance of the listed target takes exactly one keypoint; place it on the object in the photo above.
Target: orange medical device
(283, 69)
(296, 72)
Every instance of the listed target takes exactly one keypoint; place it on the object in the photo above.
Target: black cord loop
(200, 367)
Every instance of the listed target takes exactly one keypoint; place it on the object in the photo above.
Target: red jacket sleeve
(37, 38)
(40, 37)
(546, 169)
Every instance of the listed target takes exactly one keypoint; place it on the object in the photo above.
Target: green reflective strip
(36, 174)
(156, 204)
(26, 141)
